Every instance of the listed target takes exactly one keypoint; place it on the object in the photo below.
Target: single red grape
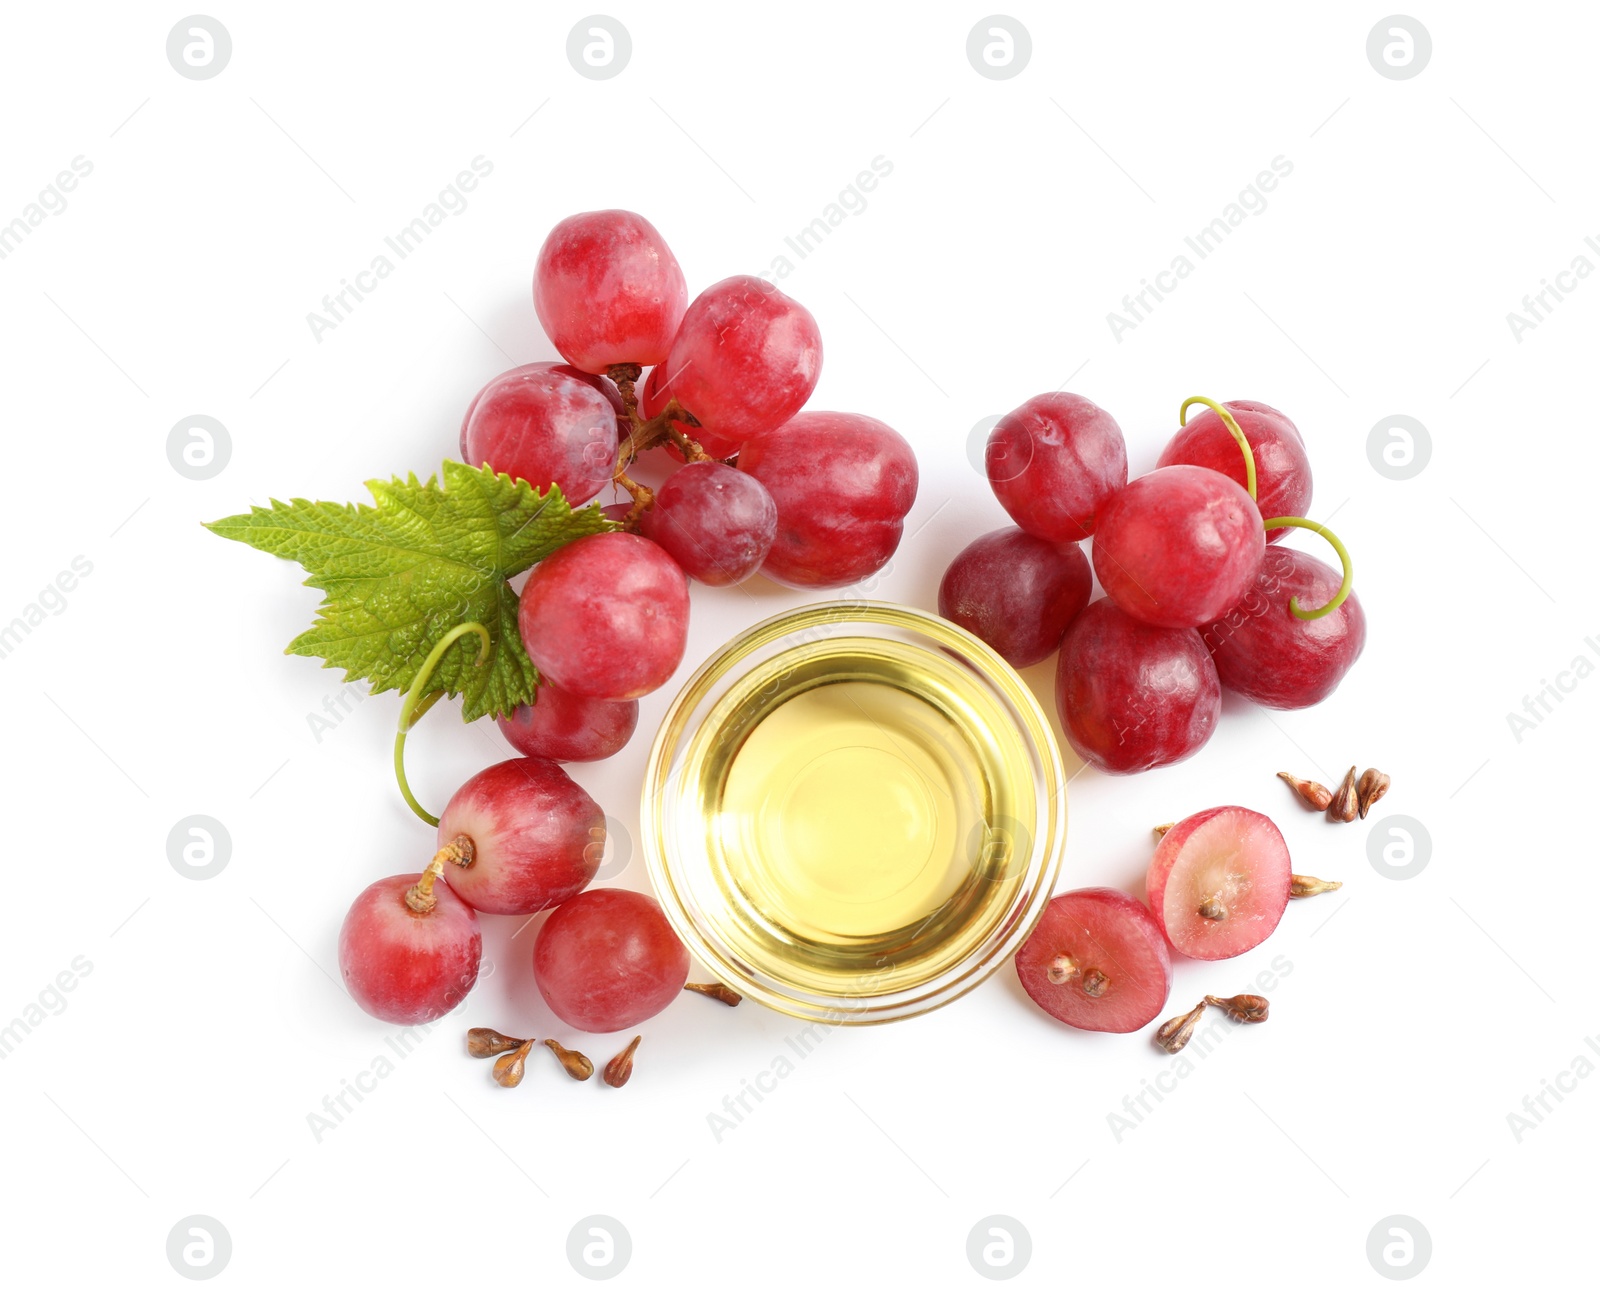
(606, 616)
(1016, 593)
(653, 400)
(1283, 470)
(843, 484)
(608, 959)
(716, 522)
(1263, 651)
(566, 727)
(1053, 462)
(402, 966)
(1219, 882)
(547, 424)
(1097, 961)
(608, 290)
(745, 360)
(1178, 547)
(537, 837)
(1133, 696)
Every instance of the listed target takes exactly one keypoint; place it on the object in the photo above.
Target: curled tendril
(1233, 426)
(1344, 560)
(414, 706)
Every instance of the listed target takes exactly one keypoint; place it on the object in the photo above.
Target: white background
(179, 1076)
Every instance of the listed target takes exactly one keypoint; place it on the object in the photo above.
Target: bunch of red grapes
(1198, 595)
(811, 498)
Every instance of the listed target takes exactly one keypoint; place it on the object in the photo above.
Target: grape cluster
(1197, 595)
(811, 498)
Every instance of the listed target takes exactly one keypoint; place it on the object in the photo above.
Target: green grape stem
(1344, 560)
(1232, 425)
(415, 706)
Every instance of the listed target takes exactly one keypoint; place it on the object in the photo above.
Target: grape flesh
(606, 616)
(608, 291)
(1233, 864)
(717, 523)
(608, 959)
(1097, 930)
(1016, 593)
(537, 837)
(565, 727)
(1179, 546)
(1133, 696)
(406, 967)
(547, 424)
(1053, 462)
(653, 400)
(745, 360)
(1283, 469)
(843, 484)
(1263, 651)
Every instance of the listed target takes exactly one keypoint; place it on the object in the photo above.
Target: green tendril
(415, 706)
(1233, 427)
(1344, 559)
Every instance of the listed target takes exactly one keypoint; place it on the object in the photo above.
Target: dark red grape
(843, 484)
(1132, 696)
(608, 959)
(1263, 651)
(1097, 961)
(1178, 547)
(1283, 470)
(566, 727)
(606, 616)
(547, 424)
(402, 966)
(716, 522)
(1016, 593)
(1053, 462)
(608, 290)
(537, 837)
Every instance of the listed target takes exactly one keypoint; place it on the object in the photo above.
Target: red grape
(843, 484)
(606, 616)
(716, 522)
(537, 837)
(402, 966)
(1097, 961)
(608, 959)
(745, 360)
(1053, 462)
(1133, 696)
(1178, 547)
(1016, 593)
(1219, 882)
(1263, 651)
(1283, 470)
(653, 400)
(545, 424)
(565, 727)
(608, 291)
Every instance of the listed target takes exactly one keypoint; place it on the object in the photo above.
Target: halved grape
(1219, 882)
(608, 959)
(1097, 961)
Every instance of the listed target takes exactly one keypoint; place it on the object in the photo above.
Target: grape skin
(405, 967)
(546, 424)
(537, 837)
(746, 358)
(843, 484)
(1053, 462)
(717, 523)
(565, 727)
(606, 616)
(1133, 696)
(608, 959)
(1098, 928)
(608, 290)
(1179, 546)
(1016, 593)
(1283, 470)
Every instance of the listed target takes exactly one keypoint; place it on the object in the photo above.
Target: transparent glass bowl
(1006, 859)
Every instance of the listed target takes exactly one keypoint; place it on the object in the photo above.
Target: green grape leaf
(400, 572)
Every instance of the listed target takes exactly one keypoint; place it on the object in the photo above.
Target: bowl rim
(996, 945)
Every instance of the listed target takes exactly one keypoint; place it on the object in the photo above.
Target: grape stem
(415, 706)
(1232, 425)
(458, 851)
(643, 434)
(1344, 559)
